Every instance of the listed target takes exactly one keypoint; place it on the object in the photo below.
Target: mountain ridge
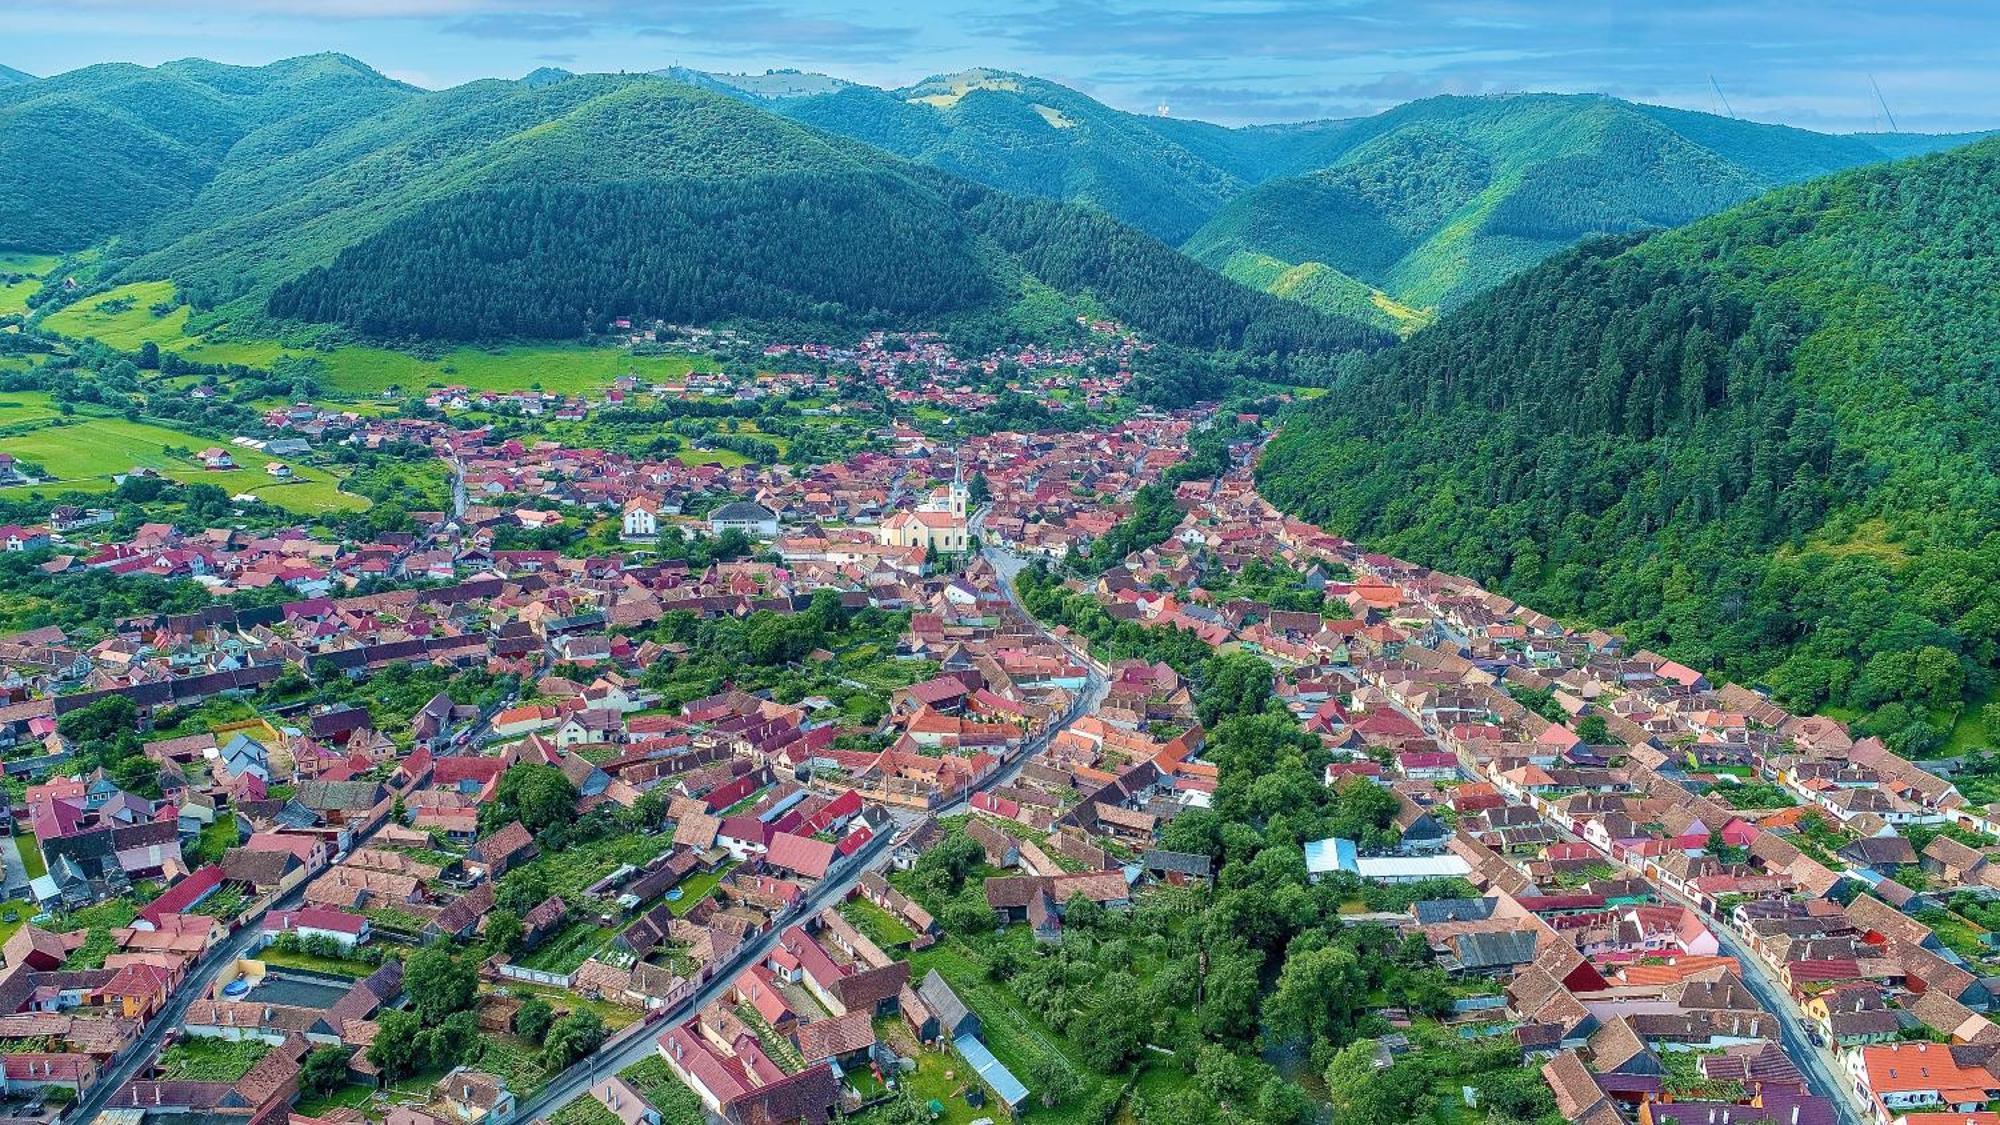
(1761, 443)
(275, 217)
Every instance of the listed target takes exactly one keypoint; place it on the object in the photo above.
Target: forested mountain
(104, 149)
(1767, 444)
(539, 207)
(1031, 137)
(11, 77)
(1439, 199)
(316, 180)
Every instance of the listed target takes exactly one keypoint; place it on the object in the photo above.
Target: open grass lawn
(201, 1059)
(882, 927)
(31, 854)
(14, 295)
(1968, 729)
(697, 887)
(27, 261)
(337, 966)
(87, 450)
(123, 318)
(23, 408)
(516, 1060)
(569, 948)
(22, 910)
(614, 1015)
(1015, 1037)
(584, 1111)
(677, 1104)
(354, 1095)
(578, 866)
(97, 921)
(726, 458)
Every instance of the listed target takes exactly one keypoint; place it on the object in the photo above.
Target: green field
(123, 318)
(14, 295)
(21, 408)
(86, 452)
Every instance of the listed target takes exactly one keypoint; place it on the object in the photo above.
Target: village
(646, 787)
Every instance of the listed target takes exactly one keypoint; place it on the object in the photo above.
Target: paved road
(576, 1081)
(195, 986)
(1821, 1071)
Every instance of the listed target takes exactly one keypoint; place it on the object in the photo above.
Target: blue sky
(1232, 61)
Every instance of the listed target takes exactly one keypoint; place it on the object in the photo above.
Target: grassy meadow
(14, 294)
(83, 452)
(124, 318)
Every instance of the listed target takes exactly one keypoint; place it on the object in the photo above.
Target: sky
(1812, 63)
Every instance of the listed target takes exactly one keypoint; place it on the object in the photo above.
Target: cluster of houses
(1624, 905)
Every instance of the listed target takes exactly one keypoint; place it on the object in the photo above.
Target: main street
(577, 1080)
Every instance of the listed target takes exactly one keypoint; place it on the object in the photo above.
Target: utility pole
(1720, 96)
(1884, 102)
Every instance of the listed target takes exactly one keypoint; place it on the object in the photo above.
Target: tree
(1230, 992)
(1114, 1030)
(1319, 996)
(396, 1049)
(103, 721)
(1593, 730)
(532, 1020)
(324, 1069)
(504, 930)
(537, 795)
(439, 984)
(1238, 684)
(1082, 913)
(572, 1037)
(1052, 1079)
(522, 889)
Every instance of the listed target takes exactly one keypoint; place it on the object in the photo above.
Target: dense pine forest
(845, 249)
(1764, 444)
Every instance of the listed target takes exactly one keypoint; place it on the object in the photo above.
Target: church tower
(959, 494)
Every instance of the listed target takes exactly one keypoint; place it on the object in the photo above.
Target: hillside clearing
(85, 452)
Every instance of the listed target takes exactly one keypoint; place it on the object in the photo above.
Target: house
(346, 930)
(641, 518)
(215, 459)
(628, 1105)
(475, 1098)
(747, 516)
(503, 850)
(1904, 1076)
(935, 1013)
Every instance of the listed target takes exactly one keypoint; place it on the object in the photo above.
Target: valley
(674, 596)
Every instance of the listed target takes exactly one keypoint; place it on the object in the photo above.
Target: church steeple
(960, 494)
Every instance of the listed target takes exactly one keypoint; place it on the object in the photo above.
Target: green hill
(540, 207)
(1032, 137)
(11, 77)
(101, 150)
(1440, 199)
(1764, 443)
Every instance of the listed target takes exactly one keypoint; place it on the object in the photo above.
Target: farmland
(83, 452)
(125, 318)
